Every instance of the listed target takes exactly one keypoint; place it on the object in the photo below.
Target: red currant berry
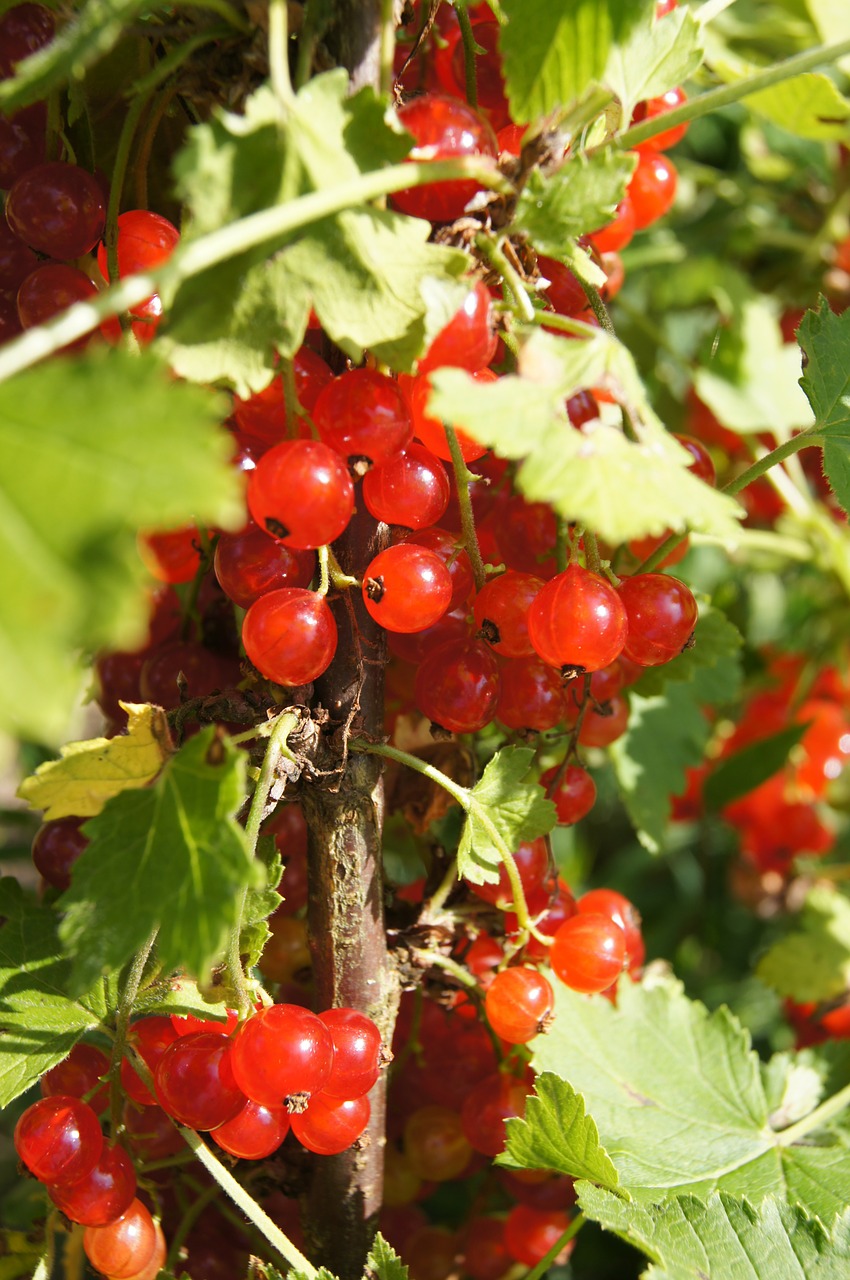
(174, 556)
(435, 1144)
(589, 952)
(410, 489)
(78, 1076)
(607, 902)
(55, 849)
(561, 908)
(194, 1081)
(254, 1132)
(24, 29)
(661, 613)
(57, 209)
(123, 1247)
(563, 289)
(280, 1052)
(487, 1108)
(654, 107)
(290, 636)
(467, 341)
(443, 128)
(652, 189)
(22, 142)
(430, 430)
(407, 588)
(577, 621)
(150, 1037)
(532, 695)
(59, 1139)
(458, 685)
(301, 492)
(364, 415)
(250, 563)
(357, 1053)
(615, 235)
(51, 289)
(582, 408)
(447, 546)
(531, 1233)
(263, 415)
(701, 464)
(601, 727)
(501, 612)
(103, 1194)
(519, 1004)
(572, 790)
(533, 860)
(145, 240)
(330, 1125)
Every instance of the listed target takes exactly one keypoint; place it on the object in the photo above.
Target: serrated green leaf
(657, 56)
(260, 903)
(130, 449)
(825, 339)
(836, 468)
(372, 277)
(552, 53)
(665, 736)
(753, 382)
(581, 196)
(504, 807)
(809, 105)
(39, 1023)
(724, 1237)
(170, 858)
(813, 961)
(182, 997)
(91, 32)
(383, 1262)
(557, 1134)
(621, 488)
(749, 768)
(678, 1101)
(713, 661)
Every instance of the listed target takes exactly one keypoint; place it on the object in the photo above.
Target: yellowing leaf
(90, 773)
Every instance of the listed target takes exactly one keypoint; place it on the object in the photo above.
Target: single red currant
(357, 1053)
(58, 209)
(661, 613)
(330, 1125)
(589, 952)
(435, 1144)
(572, 790)
(607, 902)
(467, 341)
(123, 1247)
(290, 635)
(532, 695)
(652, 189)
(430, 430)
(254, 1132)
(577, 621)
(407, 588)
(79, 1075)
(103, 1194)
(654, 107)
(487, 1108)
(59, 1139)
(501, 612)
(410, 489)
(250, 563)
(301, 492)
(55, 849)
(443, 128)
(364, 416)
(519, 1004)
(280, 1052)
(458, 685)
(194, 1081)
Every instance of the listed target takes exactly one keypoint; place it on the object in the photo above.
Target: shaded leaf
(507, 805)
(581, 196)
(825, 339)
(813, 961)
(747, 769)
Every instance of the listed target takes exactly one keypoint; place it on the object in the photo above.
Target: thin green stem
(279, 53)
(248, 1205)
(598, 307)
(545, 1263)
(468, 39)
(463, 476)
(566, 324)
(324, 573)
(446, 963)
(726, 94)
(122, 1022)
(229, 241)
(116, 189)
(275, 749)
(816, 1119)
(438, 898)
(494, 254)
(591, 552)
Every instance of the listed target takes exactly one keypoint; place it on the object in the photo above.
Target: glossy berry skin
(78, 1075)
(282, 1051)
(467, 341)
(16, 259)
(150, 1037)
(564, 291)
(447, 546)
(501, 612)
(701, 464)
(250, 563)
(59, 1139)
(357, 1053)
(430, 430)
(485, 1255)
(22, 142)
(457, 686)
(589, 952)
(435, 1144)
(173, 556)
(518, 1004)
(572, 791)
(301, 492)
(24, 29)
(411, 489)
(364, 415)
(532, 695)
(55, 849)
(290, 635)
(661, 613)
(607, 902)
(330, 1125)
(58, 209)
(577, 621)
(654, 107)
(601, 728)
(194, 1081)
(254, 1132)
(488, 1105)
(406, 588)
(156, 1261)
(652, 189)
(103, 1194)
(449, 129)
(263, 415)
(52, 288)
(123, 1247)
(531, 1233)
(145, 240)
(615, 235)
(533, 860)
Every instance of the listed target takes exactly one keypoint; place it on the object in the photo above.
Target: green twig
(497, 259)
(591, 552)
(815, 1119)
(469, 47)
(463, 476)
(122, 1023)
(279, 53)
(726, 94)
(545, 1263)
(598, 307)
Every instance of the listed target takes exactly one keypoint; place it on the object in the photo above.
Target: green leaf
(657, 56)
(713, 662)
(808, 105)
(825, 339)
(39, 1024)
(622, 489)
(665, 736)
(556, 1134)
(372, 277)
(813, 961)
(171, 858)
(747, 769)
(724, 1237)
(553, 53)
(130, 449)
(678, 1101)
(383, 1262)
(752, 384)
(832, 20)
(836, 467)
(260, 903)
(91, 32)
(581, 196)
(504, 808)
(182, 997)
